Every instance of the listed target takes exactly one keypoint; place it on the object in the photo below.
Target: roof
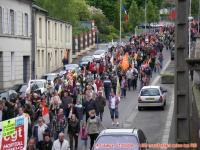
(117, 131)
(147, 87)
(39, 8)
(52, 18)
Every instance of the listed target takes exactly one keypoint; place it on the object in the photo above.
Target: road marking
(134, 111)
(158, 77)
(165, 138)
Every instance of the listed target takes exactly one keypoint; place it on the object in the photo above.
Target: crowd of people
(75, 101)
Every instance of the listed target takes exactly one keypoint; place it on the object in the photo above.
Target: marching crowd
(74, 105)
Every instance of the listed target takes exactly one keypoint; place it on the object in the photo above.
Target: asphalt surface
(151, 121)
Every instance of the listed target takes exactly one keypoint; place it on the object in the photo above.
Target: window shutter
(9, 22)
(15, 23)
(3, 20)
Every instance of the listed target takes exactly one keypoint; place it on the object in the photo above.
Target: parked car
(37, 86)
(121, 139)
(9, 94)
(50, 77)
(72, 67)
(85, 60)
(99, 54)
(22, 90)
(172, 53)
(17, 87)
(152, 96)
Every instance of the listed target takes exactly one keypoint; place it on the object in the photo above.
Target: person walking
(129, 76)
(94, 126)
(83, 135)
(38, 132)
(61, 143)
(73, 131)
(47, 144)
(59, 123)
(107, 87)
(113, 106)
(123, 87)
(100, 103)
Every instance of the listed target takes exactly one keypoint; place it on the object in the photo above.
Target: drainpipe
(34, 44)
(46, 44)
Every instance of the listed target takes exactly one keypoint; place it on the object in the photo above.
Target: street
(151, 120)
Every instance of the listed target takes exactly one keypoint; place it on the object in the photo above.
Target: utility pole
(120, 22)
(189, 29)
(182, 100)
(145, 16)
(198, 15)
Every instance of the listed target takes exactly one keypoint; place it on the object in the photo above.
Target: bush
(167, 78)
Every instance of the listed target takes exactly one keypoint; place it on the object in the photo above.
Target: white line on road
(165, 138)
(155, 81)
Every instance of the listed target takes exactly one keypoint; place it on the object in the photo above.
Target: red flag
(172, 14)
(45, 114)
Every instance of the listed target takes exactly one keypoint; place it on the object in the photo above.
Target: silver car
(152, 96)
(121, 139)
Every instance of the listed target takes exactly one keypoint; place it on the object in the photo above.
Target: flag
(118, 90)
(125, 62)
(45, 113)
(172, 14)
(126, 14)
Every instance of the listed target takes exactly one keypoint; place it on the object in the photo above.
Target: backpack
(147, 71)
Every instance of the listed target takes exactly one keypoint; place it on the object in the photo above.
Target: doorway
(26, 69)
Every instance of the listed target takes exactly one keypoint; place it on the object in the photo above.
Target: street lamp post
(145, 15)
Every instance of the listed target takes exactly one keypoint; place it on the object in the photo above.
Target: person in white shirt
(113, 106)
(38, 132)
(61, 143)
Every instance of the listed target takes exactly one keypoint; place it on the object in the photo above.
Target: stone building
(15, 42)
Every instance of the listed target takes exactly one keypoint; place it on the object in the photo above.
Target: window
(38, 58)
(12, 63)
(49, 30)
(55, 31)
(61, 54)
(56, 57)
(61, 32)
(43, 58)
(26, 24)
(1, 20)
(12, 25)
(40, 28)
(66, 33)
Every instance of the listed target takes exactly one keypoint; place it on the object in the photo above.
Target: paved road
(154, 122)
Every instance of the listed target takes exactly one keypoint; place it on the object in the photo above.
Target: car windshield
(51, 77)
(117, 142)
(150, 92)
(40, 84)
(23, 88)
(99, 52)
(86, 58)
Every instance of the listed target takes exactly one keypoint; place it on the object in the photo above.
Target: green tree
(157, 14)
(116, 14)
(195, 7)
(141, 15)
(134, 15)
(150, 12)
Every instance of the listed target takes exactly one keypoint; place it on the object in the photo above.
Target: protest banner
(14, 133)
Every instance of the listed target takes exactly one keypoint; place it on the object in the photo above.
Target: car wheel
(165, 103)
(163, 107)
(139, 108)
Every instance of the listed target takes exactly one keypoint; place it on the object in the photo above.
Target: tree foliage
(134, 14)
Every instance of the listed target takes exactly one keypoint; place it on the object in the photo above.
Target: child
(83, 134)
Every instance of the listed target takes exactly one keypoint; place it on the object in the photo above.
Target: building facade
(15, 42)
(52, 42)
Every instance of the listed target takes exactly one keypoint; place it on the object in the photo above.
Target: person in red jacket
(99, 83)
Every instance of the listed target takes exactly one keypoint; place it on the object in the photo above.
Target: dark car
(172, 53)
(121, 139)
(85, 60)
(9, 94)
